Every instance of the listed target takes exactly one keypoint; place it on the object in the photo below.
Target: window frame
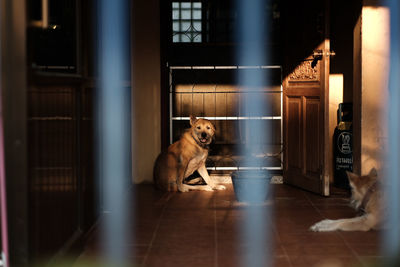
(78, 70)
(191, 32)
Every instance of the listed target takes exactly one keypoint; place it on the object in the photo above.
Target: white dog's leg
(187, 188)
(179, 181)
(204, 173)
(362, 223)
(183, 188)
(199, 187)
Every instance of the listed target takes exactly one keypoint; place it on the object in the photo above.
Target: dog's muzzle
(203, 138)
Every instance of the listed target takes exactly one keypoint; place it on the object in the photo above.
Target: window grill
(186, 22)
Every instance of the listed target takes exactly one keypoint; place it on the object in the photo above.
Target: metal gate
(212, 92)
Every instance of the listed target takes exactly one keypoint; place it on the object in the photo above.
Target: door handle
(317, 54)
(330, 53)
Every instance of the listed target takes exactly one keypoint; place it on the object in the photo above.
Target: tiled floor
(202, 229)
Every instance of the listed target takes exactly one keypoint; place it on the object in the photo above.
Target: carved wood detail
(305, 72)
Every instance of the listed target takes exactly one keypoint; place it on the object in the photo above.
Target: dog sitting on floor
(184, 157)
(367, 198)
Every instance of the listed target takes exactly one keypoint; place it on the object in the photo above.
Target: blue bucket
(251, 186)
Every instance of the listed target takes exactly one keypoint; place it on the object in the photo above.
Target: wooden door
(305, 97)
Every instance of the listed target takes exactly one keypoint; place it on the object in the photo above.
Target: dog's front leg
(204, 173)
(179, 181)
(362, 223)
(183, 187)
(326, 225)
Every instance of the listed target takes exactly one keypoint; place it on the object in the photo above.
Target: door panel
(293, 135)
(312, 136)
(306, 73)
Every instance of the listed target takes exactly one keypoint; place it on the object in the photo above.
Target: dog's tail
(156, 174)
(160, 181)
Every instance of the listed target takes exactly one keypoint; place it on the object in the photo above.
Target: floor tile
(326, 261)
(203, 229)
(360, 237)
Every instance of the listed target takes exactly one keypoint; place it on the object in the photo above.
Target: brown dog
(184, 157)
(366, 197)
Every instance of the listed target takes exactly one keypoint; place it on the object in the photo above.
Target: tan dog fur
(184, 157)
(371, 218)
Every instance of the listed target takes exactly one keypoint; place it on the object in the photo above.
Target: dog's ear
(193, 120)
(373, 173)
(352, 178)
(213, 126)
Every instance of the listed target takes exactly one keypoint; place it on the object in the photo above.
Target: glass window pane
(175, 4)
(185, 38)
(197, 26)
(175, 38)
(175, 14)
(197, 38)
(186, 5)
(196, 14)
(175, 26)
(185, 26)
(186, 14)
(197, 5)
(54, 49)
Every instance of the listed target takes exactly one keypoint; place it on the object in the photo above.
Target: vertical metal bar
(14, 92)
(3, 197)
(114, 127)
(79, 68)
(281, 152)
(215, 94)
(78, 160)
(203, 108)
(45, 14)
(191, 105)
(391, 236)
(251, 31)
(170, 107)
(180, 22)
(3, 201)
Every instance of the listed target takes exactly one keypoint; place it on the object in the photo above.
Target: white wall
(146, 103)
(374, 85)
(336, 84)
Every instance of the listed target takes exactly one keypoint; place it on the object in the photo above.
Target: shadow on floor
(201, 229)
